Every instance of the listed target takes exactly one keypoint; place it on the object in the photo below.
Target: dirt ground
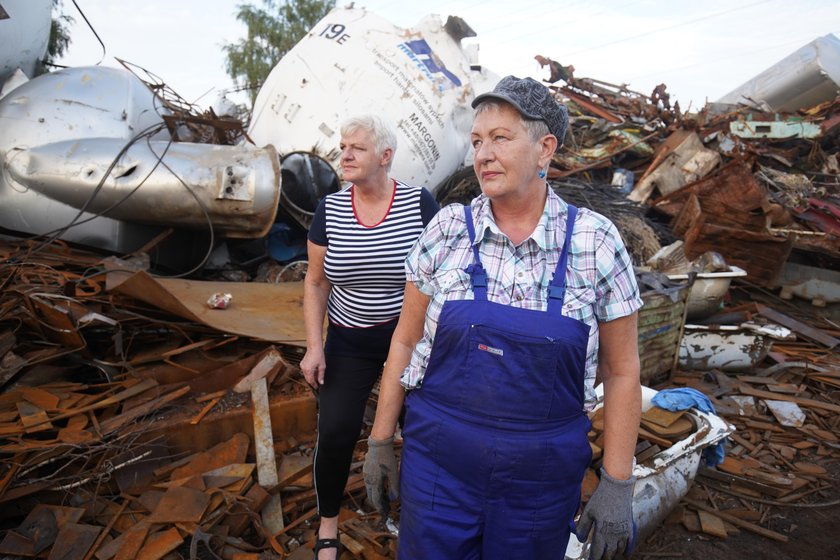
(812, 534)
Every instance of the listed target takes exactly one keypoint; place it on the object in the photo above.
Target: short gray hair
(383, 134)
(536, 128)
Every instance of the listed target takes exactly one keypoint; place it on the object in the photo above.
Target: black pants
(341, 407)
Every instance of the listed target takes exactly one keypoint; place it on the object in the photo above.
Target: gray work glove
(382, 481)
(610, 510)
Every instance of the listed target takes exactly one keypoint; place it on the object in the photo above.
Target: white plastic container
(707, 292)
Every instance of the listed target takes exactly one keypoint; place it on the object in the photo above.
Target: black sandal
(322, 544)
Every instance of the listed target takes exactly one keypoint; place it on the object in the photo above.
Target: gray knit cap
(533, 100)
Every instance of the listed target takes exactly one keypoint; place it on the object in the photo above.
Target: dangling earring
(542, 173)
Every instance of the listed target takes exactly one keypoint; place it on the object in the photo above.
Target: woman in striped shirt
(356, 277)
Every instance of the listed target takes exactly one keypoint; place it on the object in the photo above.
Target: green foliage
(273, 30)
(59, 36)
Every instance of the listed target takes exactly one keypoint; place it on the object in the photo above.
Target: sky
(700, 50)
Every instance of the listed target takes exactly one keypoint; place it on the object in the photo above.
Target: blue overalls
(495, 440)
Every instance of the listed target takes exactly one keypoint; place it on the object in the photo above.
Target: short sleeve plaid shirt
(601, 284)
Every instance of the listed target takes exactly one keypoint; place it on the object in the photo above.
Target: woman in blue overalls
(512, 304)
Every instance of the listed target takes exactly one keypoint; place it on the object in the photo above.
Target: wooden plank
(711, 524)
(662, 417)
(660, 441)
(807, 331)
(355, 547)
(743, 482)
(801, 401)
(752, 527)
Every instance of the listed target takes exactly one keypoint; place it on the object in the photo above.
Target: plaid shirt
(600, 282)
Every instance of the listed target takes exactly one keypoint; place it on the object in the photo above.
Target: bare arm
(407, 334)
(316, 290)
(618, 363)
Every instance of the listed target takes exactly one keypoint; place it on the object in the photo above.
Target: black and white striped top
(366, 264)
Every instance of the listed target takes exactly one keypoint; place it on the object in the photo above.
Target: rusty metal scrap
(130, 433)
(723, 212)
(185, 122)
(787, 429)
(128, 407)
(792, 155)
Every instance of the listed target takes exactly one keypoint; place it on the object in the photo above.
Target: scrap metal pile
(751, 184)
(786, 444)
(140, 417)
(131, 427)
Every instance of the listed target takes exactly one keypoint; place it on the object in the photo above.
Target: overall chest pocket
(508, 374)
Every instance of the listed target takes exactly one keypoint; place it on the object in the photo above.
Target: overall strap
(478, 276)
(557, 288)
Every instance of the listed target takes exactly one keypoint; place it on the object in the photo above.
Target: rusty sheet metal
(807, 331)
(40, 398)
(39, 529)
(591, 106)
(132, 541)
(116, 422)
(73, 541)
(212, 379)
(825, 214)
(252, 501)
(132, 389)
(231, 451)
(232, 477)
(180, 505)
(727, 216)
(58, 321)
(271, 312)
(160, 544)
(33, 418)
